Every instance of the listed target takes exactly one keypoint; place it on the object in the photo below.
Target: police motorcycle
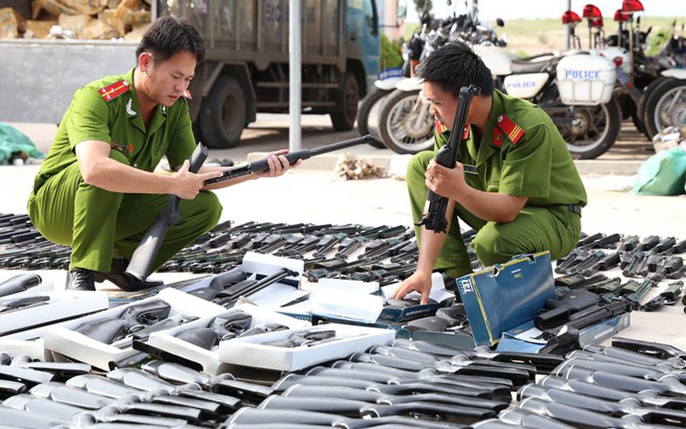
(369, 107)
(664, 101)
(404, 123)
(650, 109)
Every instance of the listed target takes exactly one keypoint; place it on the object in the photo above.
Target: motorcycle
(404, 123)
(369, 107)
(664, 101)
(654, 90)
(575, 89)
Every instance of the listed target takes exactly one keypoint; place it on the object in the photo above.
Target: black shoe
(80, 279)
(117, 275)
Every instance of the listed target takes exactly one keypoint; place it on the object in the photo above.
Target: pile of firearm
(652, 258)
(586, 294)
(631, 384)
(24, 248)
(386, 254)
(405, 384)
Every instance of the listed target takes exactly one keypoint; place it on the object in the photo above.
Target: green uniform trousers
(99, 224)
(553, 228)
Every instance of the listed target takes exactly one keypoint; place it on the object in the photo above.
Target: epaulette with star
(509, 128)
(114, 90)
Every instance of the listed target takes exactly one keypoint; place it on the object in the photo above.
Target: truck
(246, 69)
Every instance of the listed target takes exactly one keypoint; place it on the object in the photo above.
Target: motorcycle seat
(534, 64)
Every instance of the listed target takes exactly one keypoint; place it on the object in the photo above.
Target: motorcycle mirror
(425, 18)
(499, 22)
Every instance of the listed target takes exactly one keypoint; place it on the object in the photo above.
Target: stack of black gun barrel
(408, 384)
(385, 254)
(644, 263)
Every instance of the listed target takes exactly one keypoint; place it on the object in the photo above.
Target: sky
(489, 10)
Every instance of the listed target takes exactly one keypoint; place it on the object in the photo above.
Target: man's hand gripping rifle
(292, 157)
(435, 218)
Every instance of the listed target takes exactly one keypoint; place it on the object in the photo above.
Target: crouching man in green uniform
(526, 194)
(96, 190)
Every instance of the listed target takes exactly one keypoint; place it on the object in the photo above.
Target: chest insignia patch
(114, 90)
(129, 109)
(511, 130)
(121, 147)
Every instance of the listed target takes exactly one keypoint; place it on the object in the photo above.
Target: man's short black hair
(455, 65)
(168, 36)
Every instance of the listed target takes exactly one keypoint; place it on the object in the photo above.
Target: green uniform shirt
(538, 165)
(119, 123)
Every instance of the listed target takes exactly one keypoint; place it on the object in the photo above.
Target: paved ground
(313, 193)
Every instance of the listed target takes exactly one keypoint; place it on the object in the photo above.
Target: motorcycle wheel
(594, 129)
(666, 106)
(368, 108)
(405, 124)
(641, 108)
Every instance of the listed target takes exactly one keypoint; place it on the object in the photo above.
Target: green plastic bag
(662, 174)
(12, 140)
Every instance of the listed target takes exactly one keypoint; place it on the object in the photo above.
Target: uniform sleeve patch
(511, 130)
(114, 90)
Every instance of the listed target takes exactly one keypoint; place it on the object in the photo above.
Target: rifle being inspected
(435, 217)
(292, 157)
(144, 256)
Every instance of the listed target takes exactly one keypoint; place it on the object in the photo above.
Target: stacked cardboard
(74, 19)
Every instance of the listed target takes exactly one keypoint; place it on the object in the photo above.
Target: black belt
(575, 208)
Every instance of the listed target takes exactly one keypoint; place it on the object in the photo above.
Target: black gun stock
(313, 391)
(19, 283)
(354, 408)
(145, 254)
(659, 350)
(292, 157)
(646, 398)
(435, 218)
(133, 317)
(647, 415)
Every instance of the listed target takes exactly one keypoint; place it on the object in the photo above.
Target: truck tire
(370, 103)
(343, 118)
(223, 114)
(666, 106)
